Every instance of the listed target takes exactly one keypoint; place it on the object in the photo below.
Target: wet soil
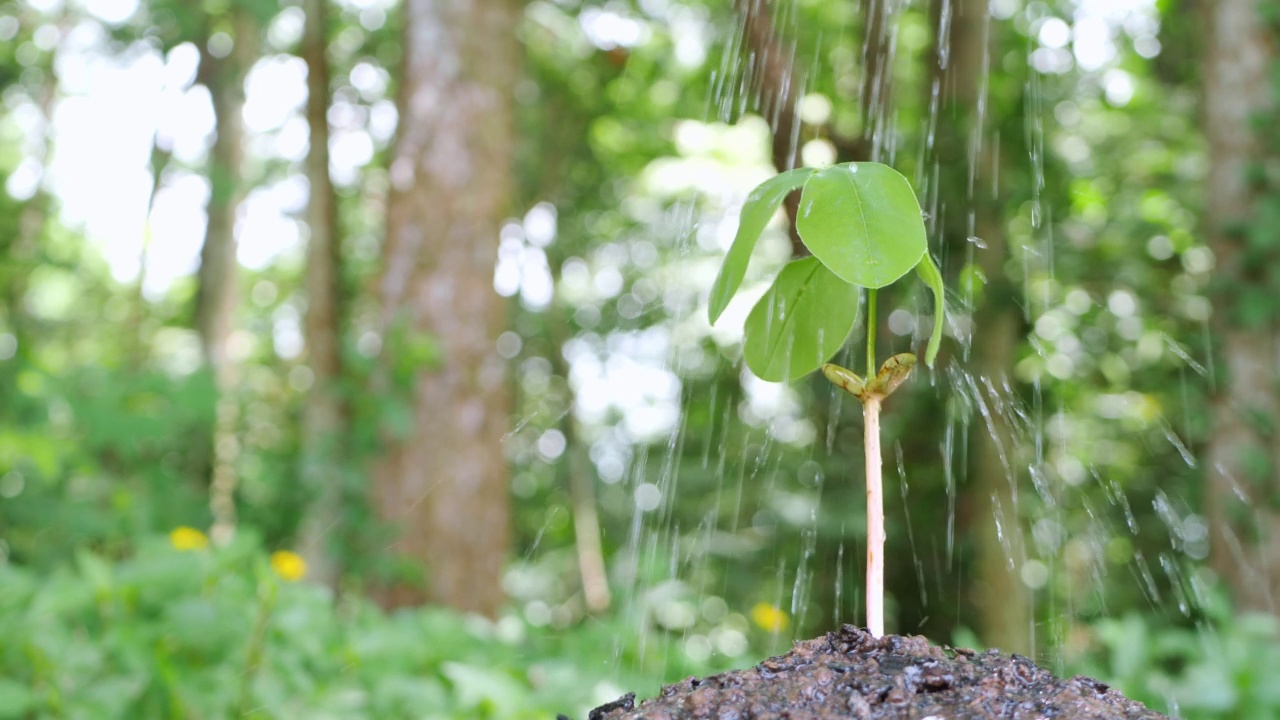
(849, 674)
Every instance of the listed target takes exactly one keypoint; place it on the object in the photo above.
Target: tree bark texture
(217, 292)
(1243, 459)
(967, 208)
(1004, 602)
(780, 88)
(445, 485)
(323, 414)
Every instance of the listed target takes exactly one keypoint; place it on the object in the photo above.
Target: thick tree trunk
(445, 486)
(217, 293)
(1004, 603)
(323, 415)
(1243, 460)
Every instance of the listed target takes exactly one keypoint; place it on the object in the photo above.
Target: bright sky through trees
(115, 105)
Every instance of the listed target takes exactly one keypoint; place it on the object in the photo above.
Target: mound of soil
(849, 674)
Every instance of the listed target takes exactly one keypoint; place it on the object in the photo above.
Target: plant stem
(875, 490)
(875, 513)
(871, 333)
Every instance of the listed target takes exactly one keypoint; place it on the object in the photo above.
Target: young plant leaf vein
(789, 315)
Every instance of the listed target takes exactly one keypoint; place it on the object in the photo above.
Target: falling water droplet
(1148, 581)
(978, 242)
(835, 613)
(1177, 443)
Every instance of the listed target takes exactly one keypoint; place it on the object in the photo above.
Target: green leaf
(800, 323)
(759, 207)
(933, 278)
(862, 220)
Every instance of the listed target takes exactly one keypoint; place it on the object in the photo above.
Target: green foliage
(120, 458)
(1226, 666)
(170, 633)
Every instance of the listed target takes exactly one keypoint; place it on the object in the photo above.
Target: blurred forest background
(354, 358)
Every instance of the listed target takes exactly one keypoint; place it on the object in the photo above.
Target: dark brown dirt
(849, 674)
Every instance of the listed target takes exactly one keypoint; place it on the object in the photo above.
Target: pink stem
(875, 516)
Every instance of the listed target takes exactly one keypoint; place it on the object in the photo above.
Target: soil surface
(849, 674)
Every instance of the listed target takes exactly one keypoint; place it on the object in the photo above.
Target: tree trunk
(139, 347)
(445, 485)
(586, 520)
(879, 23)
(582, 480)
(556, 158)
(323, 414)
(22, 249)
(217, 293)
(1004, 603)
(1243, 459)
(781, 88)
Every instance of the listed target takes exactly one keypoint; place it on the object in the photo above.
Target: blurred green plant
(96, 456)
(184, 630)
(1224, 666)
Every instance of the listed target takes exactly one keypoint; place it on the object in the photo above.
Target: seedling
(863, 224)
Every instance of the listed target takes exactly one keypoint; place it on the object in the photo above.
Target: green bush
(1222, 667)
(99, 457)
(205, 633)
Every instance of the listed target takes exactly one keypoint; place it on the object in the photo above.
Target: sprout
(863, 224)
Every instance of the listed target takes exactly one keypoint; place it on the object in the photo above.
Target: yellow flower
(288, 565)
(769, 617)
(188, 538)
